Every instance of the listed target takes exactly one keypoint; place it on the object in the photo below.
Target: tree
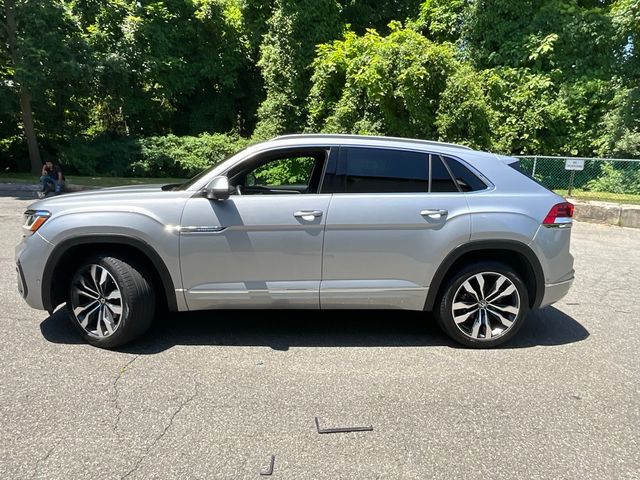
(372, 84)
(362, 15)
(575, 36)
(50, 72)
(288, 48)
(12, 46)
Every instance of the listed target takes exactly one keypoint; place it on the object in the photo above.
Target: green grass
(602, 196)
(89, 181)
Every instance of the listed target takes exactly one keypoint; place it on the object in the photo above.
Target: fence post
(573, 172)
(535, 162)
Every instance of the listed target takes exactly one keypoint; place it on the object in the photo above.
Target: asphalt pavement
(214, 395)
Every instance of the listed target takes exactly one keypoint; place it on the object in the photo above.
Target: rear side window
(466, 180)
(378, 170)
(372, 170)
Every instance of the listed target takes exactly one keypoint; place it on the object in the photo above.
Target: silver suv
(308, 222)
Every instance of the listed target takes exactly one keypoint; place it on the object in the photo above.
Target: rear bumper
(555, 291)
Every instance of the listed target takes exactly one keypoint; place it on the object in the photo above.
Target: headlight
(33, 220)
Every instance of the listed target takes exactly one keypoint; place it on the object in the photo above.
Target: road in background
(213, 395)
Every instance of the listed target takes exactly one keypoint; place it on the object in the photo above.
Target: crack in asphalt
(116, 402)
(162, 433)
(41, 460)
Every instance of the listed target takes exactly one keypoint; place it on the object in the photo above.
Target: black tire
(444, 307)
(137, 304)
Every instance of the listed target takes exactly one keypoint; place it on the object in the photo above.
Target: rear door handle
(435, 213)
(308, 215)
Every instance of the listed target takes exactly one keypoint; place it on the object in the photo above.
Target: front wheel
(483, 305)
(110, 301)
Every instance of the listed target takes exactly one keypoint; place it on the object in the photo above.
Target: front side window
(296, 171)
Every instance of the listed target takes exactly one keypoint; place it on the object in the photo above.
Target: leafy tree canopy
(532, 76)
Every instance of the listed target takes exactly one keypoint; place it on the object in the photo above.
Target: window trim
(333, 155)
(340, 159)
(489, 184)
(453, 179)
(253, 161)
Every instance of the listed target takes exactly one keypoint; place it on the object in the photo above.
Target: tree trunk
(28, 126)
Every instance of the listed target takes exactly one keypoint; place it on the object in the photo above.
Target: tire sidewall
(126, 330)
(445, 315)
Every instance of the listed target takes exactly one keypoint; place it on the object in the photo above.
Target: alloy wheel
(485, 306)
(96, 301)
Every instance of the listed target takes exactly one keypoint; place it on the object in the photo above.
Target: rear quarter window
(515, 164)
(466, 180)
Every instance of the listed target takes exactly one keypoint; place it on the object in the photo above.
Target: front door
(262, 247)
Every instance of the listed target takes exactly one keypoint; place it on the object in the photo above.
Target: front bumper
(31, 255)
(555, 291)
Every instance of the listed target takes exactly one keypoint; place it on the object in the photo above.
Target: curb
(34, 188)
(607, 213)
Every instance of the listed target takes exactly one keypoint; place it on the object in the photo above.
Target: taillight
(560, 214)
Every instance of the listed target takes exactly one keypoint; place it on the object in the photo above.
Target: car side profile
(308, 222)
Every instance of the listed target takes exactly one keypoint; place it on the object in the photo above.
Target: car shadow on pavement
(305, 328)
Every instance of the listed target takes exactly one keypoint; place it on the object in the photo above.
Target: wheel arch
(513, 253)
(57, 270)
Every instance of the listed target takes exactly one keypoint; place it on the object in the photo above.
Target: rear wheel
(483, 305)
(110, 301)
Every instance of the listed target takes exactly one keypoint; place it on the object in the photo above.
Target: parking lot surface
(214, 395)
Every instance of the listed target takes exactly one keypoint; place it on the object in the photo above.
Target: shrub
(167, 156)
(13, 154)
(616, 181)
(100, 156)
(184, 156)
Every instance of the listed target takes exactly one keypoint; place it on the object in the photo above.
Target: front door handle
(308, 215)
(435, 213)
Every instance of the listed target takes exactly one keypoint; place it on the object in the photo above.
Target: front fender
(135, 228)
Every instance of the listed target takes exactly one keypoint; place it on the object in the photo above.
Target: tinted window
(371, 170)
(466, 180)
(441, 181)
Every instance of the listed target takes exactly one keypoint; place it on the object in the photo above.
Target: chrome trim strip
(253, 292)
(557, 225)
(373, 290)
(201, 229)
(547, 285)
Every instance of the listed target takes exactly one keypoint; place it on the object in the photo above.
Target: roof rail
(371, 137)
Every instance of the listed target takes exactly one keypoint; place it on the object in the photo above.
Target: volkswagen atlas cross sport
(308, 222)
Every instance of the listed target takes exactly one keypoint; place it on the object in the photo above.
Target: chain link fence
(606, 179)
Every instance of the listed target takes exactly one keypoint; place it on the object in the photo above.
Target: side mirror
(218, 188)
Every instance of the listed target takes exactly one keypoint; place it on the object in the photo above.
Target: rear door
(394, 215)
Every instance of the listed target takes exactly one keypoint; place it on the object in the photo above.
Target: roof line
(371, 137)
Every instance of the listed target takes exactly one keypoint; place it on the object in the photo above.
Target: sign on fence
(572, 164)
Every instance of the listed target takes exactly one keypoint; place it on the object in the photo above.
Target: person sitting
(52, 179)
